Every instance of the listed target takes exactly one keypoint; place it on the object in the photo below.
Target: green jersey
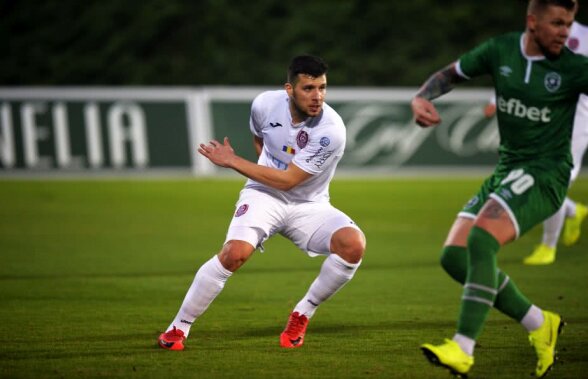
(535, 96)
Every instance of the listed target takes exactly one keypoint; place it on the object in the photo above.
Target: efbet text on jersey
(515, 107)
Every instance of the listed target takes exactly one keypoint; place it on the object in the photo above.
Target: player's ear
(289, 89)
(531, 22)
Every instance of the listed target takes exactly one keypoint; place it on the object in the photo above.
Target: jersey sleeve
(256, 117)
(321, 152)
(477, 61)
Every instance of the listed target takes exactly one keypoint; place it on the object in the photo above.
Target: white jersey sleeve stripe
(460, 72)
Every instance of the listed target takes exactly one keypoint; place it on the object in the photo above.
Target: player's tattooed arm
(440, 83)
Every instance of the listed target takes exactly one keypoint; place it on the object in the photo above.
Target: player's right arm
(438, 84)
(223, 155)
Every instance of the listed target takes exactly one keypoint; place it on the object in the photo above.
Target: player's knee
(454, 262)
(234, 254)
(481, 244)
(349, 244)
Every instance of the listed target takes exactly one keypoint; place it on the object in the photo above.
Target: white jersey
(578, 39)
(315, 145)
(578, 43)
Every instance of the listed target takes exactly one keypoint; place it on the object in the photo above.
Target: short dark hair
(540, 5)
(306, 64)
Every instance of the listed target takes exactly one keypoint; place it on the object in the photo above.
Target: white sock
(466, 343)
(335, 273)
(208, 283)
(570, 207)
(533, 319)
(552, 227)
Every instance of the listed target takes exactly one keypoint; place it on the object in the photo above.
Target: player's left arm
(438, 84)
(223, 155)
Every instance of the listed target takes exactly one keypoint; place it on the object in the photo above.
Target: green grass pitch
(92, 271)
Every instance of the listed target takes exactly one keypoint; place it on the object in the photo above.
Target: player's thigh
(311, 226)
(458, 234)
(528, 194)
(256, 218)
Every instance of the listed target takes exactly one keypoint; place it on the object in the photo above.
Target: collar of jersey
(528, 57)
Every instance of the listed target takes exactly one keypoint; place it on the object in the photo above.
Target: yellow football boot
(450, 356)
(542, 255)
(572, 226)
(543, 341)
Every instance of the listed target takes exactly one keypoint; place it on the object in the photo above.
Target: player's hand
(424, 112)
(490, 110)
(219, 154)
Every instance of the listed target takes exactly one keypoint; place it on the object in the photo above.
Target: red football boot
(172, 340)
(293, 335)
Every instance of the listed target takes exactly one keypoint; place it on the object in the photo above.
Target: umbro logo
(505, 71)
(275, 125)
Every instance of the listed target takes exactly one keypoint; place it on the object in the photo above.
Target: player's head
(306, 65)
(306, 85)
(549, 22)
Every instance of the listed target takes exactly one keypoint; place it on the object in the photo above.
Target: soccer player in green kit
(538, 82)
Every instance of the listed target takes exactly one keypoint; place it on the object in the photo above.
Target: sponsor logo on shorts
(275, 125)
(325, 141)
(506, 194)
(302, 139)
(473, 201)
(242, 210)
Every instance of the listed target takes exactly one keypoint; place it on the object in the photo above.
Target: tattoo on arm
(440, 83)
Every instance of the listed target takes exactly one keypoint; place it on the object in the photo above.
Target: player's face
(550, 29)
(307, 95)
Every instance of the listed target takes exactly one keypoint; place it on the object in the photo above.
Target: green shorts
(530, 192)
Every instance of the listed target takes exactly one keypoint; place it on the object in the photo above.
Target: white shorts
(258, 216)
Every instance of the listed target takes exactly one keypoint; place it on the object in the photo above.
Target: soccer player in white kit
(299, 140)
(570, 216)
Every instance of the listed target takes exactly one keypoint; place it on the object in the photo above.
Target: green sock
(509, 300)
(480, 288)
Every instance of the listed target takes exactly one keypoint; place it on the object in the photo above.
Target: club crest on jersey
(552, 81)
(302, 139)
(288, 149)
(242, 210)
(325, 141)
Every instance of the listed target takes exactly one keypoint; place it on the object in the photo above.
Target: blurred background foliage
(230, 42)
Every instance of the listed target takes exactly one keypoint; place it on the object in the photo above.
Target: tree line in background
(229, 42)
